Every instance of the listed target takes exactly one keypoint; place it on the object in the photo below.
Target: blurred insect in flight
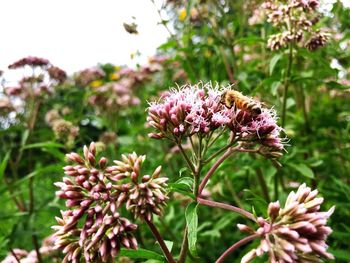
(234, 98)
(131, 28)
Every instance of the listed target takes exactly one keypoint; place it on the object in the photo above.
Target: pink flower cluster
(93, 227)
(188, 110)
(197, 109)
(29, 61)
(113, 96)
(295, 19)
(295, 233)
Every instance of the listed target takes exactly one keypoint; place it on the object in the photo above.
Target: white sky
(76, 34)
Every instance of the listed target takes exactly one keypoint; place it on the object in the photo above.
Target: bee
(234, 98)
(131, 28)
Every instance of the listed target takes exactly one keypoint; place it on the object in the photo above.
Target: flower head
(30, 61)
(295, 233)
(188, 110)
(144, 194)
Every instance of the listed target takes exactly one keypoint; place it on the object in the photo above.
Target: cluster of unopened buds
(93, 227)
(297, 19)
(295, 233)
(198, 109)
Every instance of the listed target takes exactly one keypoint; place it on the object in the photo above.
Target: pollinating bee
(131, 28)
(234, 98)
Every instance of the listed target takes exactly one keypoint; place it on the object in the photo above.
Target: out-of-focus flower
(108, 138)
(112, 97)
(51, 116)
(318, 39)
(57, 74)
(295, 233)
(46, 250)
(62, 128)
(85, 77)
(294, 20)
(182, 14)
(5, 106)
(29, 61)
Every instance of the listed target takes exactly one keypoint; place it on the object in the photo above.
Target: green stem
(286, 84)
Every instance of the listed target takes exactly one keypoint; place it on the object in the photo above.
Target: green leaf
(25, 136)
(169, 244)
(4, 164)
(335, 85)
(274, 61)
(141, 253)
(303, 169)
(192, 225)
(183, 186)
(341, 254)
(43, 145)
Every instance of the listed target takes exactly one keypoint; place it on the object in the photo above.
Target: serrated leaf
(141, 253)
(192, 225)
(303, 169)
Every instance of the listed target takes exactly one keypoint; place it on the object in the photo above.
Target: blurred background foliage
(218, 41)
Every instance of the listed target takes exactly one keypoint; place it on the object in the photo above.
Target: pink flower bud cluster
(29, 61)
(47, 251)
(112, 97)
(57, 74)
(145, 195)
(295, 233)
(295, 19)
(188, 110)
(38, 84)
(262, 129)
(93, 227)
(86, 76)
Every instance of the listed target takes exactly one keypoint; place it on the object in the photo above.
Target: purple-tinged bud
(102, 163)
(74, 157)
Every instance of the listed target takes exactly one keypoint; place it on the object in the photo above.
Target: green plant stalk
(286, 84)
(184, 248)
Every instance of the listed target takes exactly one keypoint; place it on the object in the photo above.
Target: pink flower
(295, 233)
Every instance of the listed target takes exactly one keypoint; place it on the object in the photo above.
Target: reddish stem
(227, 207)
(235, 246)
(160, 240)
(214, 167)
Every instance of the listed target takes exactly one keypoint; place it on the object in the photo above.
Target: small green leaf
(169, 244)
(192, 225)
(4, 164)
(25, 136)
(43, 145)
(303, 170)
(183, 186)
(141, 253)
(274, 61)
